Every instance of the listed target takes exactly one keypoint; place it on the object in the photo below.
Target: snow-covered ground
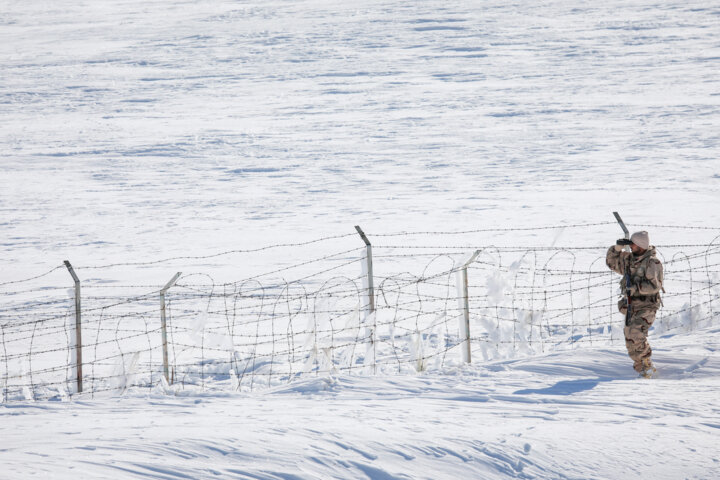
(578, 415)
(132, 130)
(138, 131)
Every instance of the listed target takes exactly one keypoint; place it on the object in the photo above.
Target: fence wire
(314, 318)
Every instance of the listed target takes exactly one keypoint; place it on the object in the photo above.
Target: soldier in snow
(642, 282)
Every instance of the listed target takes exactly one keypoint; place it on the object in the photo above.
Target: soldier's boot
(648, 369)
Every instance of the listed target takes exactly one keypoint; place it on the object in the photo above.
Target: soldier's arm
(652, 282)
(615, 260)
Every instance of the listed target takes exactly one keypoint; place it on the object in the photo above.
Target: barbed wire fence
(426, 305)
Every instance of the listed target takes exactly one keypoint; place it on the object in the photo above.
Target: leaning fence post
(78, 329)
(166, 367)
(466, 309)
(622, 224)
(370, 306)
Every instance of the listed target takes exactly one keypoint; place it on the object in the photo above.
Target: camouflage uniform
(646, 277)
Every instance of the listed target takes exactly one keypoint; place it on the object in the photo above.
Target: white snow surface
(141, 130)
(579, 415)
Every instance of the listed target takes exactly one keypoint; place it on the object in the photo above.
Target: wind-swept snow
(139, 129)
(143, 130)
(575, 415)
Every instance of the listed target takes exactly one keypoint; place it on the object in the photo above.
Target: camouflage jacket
(646, 276)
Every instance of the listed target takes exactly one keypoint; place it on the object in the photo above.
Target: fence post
(370, 307)
(371, 287)
(622, 224)
(78, 328)
(466, 309)
(166, 367)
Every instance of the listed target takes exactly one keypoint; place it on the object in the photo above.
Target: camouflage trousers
(636, 339)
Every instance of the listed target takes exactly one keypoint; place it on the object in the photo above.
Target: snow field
(139, 131)
(525, 418)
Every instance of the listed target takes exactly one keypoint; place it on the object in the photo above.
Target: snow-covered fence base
(266, 331)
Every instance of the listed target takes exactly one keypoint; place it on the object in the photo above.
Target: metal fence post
(466, 309)
(78, 329)
(369, 263)
(370, 330)
(166, 367)
(622, 225)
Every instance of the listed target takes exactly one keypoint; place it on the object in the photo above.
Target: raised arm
(616, 259)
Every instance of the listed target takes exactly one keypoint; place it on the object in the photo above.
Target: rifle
(628, 284)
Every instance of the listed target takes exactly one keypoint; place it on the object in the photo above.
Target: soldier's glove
(623, 241)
